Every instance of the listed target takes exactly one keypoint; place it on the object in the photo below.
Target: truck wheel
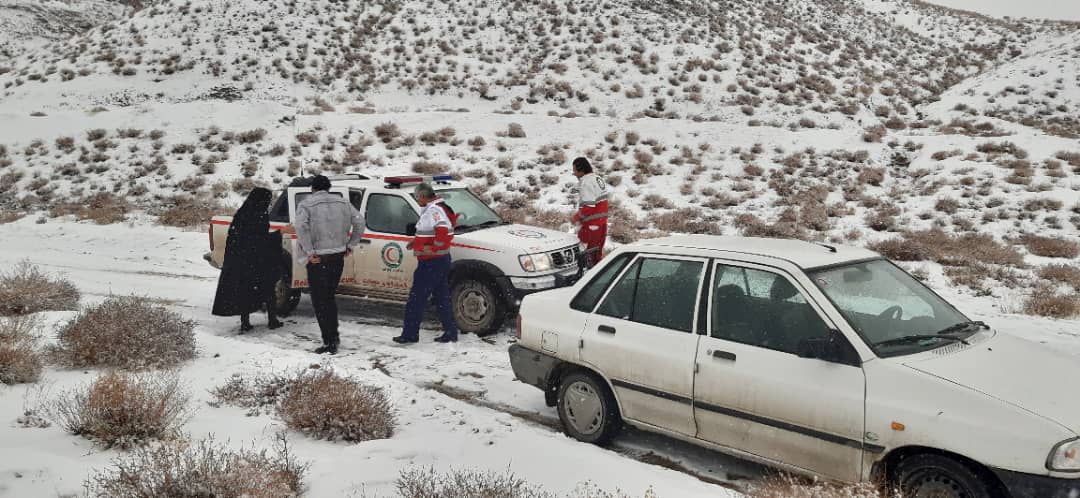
(587, 409)
(929, 475)
(285, 297)
(477, 308)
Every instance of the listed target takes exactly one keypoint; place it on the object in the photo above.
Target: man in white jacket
(592, 209)
(327, 229)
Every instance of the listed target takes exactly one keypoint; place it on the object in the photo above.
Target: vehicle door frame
(374, 259)
(821, 306)
(588, 339)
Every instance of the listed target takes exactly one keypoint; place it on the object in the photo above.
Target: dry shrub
(429, 168)
(123, 409)
(752, 226)
(19, 361)
(207, 469)
(188, 211)
(951, 250)
(874, 134)
(102, 208)
(126, 332)
(515, 131)
(785, 486)
(872, 176)
(26, 289)
(686, 220)
(324, 405)
(7, 216)
(1066, 274)
(387, 132)
(251, 136)
(259, 394)
(475, 483)
(1045, 301)
(1050, 247)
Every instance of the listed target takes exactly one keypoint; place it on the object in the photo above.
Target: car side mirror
(833, 348)
(410, 229)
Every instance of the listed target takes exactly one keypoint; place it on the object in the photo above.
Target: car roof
(805, 255)
(353, 180)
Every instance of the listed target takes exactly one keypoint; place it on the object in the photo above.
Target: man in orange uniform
(592, 209)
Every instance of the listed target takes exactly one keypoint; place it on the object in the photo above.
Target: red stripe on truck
(397, 238)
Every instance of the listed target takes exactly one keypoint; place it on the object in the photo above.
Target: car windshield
(471, 211)
(892, 311)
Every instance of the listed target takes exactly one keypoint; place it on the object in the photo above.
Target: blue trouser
(432, 276)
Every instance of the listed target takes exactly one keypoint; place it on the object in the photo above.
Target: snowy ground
(457, 405)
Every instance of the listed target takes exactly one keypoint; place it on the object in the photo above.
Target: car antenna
(826, 246)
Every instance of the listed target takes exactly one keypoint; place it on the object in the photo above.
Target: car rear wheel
(477, 308)
(587, 409)
(936, 476)
(285, 297)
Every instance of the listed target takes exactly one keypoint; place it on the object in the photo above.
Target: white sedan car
(826, 361)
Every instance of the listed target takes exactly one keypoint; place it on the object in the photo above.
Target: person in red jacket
(592, 209)
(431, 245)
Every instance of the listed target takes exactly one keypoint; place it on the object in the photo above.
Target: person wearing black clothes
(252, 263)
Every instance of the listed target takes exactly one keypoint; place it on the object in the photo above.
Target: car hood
(522, 239)
(1016, 371)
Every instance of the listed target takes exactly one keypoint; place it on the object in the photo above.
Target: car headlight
(1065, 457)
(535, 262)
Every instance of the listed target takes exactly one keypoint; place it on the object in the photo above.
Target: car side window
(657, 292)
(762, 309)
(586, 299)
(356, 198)
(389, 214)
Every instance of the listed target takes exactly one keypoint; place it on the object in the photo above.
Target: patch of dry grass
(949, 249)
(126, 332)
(189, 211)
(476, 483)
(1059, 273)
(26, 289)
(206, 469)
(19, 360)
(1050, 247)
(123, 409)
(325, 405)
(102, 208)
(1046, 301)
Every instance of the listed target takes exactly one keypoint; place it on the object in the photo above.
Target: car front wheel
(936, 476)
(587, 409)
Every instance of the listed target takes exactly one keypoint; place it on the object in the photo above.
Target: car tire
(477, 307)
(922, 475)
(285, 297)
(587, 409)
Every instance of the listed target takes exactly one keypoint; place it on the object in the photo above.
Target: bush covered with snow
(19, 360)
(123, 409)
(26, 289)
(204, 469)
(475, 483)
(126, 332)
(316, 401)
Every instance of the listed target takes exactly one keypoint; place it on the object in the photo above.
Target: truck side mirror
(410, 229)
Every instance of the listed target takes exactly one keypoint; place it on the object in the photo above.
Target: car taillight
(518, 326)
(211, 232)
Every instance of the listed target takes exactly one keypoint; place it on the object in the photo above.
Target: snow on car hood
(1016, 371)
(520, 238)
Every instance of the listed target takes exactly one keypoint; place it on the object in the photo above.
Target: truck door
(299, 271)
(385, 268)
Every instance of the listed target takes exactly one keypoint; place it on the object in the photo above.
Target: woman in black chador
(252, 263)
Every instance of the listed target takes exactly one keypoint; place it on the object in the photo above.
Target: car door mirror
(833, 348)
(410, 229)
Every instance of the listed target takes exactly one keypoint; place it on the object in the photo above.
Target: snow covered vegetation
(943, 139)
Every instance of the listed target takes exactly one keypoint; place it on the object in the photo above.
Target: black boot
(245, 323)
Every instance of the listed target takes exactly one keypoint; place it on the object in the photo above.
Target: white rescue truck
(827, 361)
(495, 263)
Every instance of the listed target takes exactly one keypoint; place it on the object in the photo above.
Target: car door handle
(723, 355)
(605, 329)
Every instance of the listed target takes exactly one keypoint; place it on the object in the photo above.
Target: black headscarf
(251, 264)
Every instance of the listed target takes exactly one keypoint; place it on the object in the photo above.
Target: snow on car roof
(806, 255)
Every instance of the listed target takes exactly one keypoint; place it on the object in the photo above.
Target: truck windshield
(472, 212)
(892, 311)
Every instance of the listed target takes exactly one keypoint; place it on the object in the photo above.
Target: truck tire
(477, 307)
(939, 476)
(285, 297)
(587, 409)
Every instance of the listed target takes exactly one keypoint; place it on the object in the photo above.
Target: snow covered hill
(29, 25)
